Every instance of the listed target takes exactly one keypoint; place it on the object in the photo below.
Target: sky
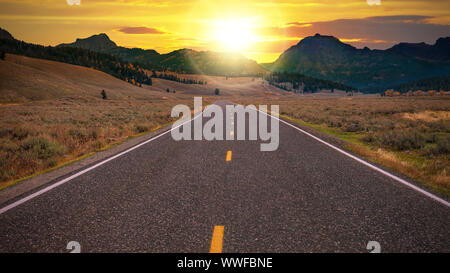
(259, 29)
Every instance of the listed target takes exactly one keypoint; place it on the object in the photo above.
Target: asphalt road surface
(167, 196)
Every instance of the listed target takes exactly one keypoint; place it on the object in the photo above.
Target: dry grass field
(408, 134)
(40, 135)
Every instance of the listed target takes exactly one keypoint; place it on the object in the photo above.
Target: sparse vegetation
(40, 135)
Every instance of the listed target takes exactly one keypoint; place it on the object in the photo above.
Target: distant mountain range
(318, 56)
(326, 57)
(440, 51)
(183, 60)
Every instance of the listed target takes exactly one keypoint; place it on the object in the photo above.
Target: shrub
(441, 147)
(42, 147)
(141, 128)
(353, 125)
(78, 134)
(216, 92)
(401, 140)
(103, 93)
(8, 146)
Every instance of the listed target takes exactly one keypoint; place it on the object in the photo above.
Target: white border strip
(65, 180)
(398, 179)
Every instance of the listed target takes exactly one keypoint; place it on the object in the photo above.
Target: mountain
(103, 44)
(183, 60)
(440, 51)
(325, 57)
(5, 35)
(100, 42)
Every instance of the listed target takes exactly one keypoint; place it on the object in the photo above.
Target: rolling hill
(325, 57)
(29, 79)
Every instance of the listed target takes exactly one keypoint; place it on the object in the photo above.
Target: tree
(104, 95)
(168, 90)
(217, 91)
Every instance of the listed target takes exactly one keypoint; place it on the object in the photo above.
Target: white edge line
(65, 180)
(396, 178)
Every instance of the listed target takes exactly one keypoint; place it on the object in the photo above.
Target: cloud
(375, 32)
(141, 30)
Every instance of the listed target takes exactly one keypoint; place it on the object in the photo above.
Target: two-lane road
(167, 196)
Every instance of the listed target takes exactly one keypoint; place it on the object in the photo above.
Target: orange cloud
(140, 30)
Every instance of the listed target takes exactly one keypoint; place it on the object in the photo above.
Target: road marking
(228, 156)
(217, 240)
(59, 183)
(396, 178)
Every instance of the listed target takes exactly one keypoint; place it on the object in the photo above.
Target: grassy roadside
(40, 143)
(41, 136)
(404, 163)
(410, 136)
(62, 163)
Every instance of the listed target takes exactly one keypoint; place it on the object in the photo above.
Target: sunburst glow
(234, 35)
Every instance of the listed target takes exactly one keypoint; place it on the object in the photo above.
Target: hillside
(326, 57)
(107, 63)
(31, 79)
(440, 51)
(5, 35)
(183, 60)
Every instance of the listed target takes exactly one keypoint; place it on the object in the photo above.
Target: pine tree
(104, 95)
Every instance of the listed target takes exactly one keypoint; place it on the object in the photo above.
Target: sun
(234, 35)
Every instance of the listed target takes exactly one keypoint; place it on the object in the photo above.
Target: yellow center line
(217, 240)
(228, 156)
